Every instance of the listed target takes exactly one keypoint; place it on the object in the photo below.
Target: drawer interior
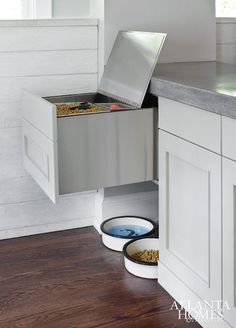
(85, 104)
(89, 97)
(70, 105)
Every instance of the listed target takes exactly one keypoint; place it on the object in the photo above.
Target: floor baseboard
(45, 228)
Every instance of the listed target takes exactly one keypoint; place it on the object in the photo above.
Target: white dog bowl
(116, 232)
(137, 267)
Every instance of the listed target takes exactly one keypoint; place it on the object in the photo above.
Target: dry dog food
(147, 255)
(69, 109)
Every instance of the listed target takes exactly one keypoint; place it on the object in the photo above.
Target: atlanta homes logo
(200, 311)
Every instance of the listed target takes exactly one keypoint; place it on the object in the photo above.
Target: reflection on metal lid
(130, 66)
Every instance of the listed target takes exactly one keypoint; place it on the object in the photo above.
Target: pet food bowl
(137, 267)
(116, 232)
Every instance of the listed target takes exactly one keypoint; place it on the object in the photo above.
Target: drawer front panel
(105, 150)
(36, 155)
(40, 159)
(40, 113)
(190, 123)
(228, 137)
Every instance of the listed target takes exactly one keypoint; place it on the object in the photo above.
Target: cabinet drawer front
(190, 123)
(40, 113)
(228, 137)
(40, 159)
(190, 214)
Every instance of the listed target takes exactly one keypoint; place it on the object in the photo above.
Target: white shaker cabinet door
(229, 239)
(190, 215)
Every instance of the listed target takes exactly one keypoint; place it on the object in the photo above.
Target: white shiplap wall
(226, 40)
(50, 58)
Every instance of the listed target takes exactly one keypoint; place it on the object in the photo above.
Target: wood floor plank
(70, 280)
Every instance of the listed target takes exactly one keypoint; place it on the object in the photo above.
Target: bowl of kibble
(142, 256)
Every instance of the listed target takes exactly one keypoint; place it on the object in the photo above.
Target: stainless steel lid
(130, 66)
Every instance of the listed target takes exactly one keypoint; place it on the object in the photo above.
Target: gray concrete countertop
(207, 85)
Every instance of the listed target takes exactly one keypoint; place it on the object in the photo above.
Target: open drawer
(86, 152)
(68, 152)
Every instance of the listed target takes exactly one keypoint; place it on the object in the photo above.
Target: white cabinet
(190, 214)
(229, 239)
(197, 172)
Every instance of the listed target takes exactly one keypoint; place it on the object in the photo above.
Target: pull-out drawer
(191, 123)
(86, 152)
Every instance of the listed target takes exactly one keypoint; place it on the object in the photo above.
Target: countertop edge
(201, 98)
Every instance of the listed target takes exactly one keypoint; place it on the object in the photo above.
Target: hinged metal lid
(130, 66)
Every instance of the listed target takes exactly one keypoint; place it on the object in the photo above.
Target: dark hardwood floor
(70, 280)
